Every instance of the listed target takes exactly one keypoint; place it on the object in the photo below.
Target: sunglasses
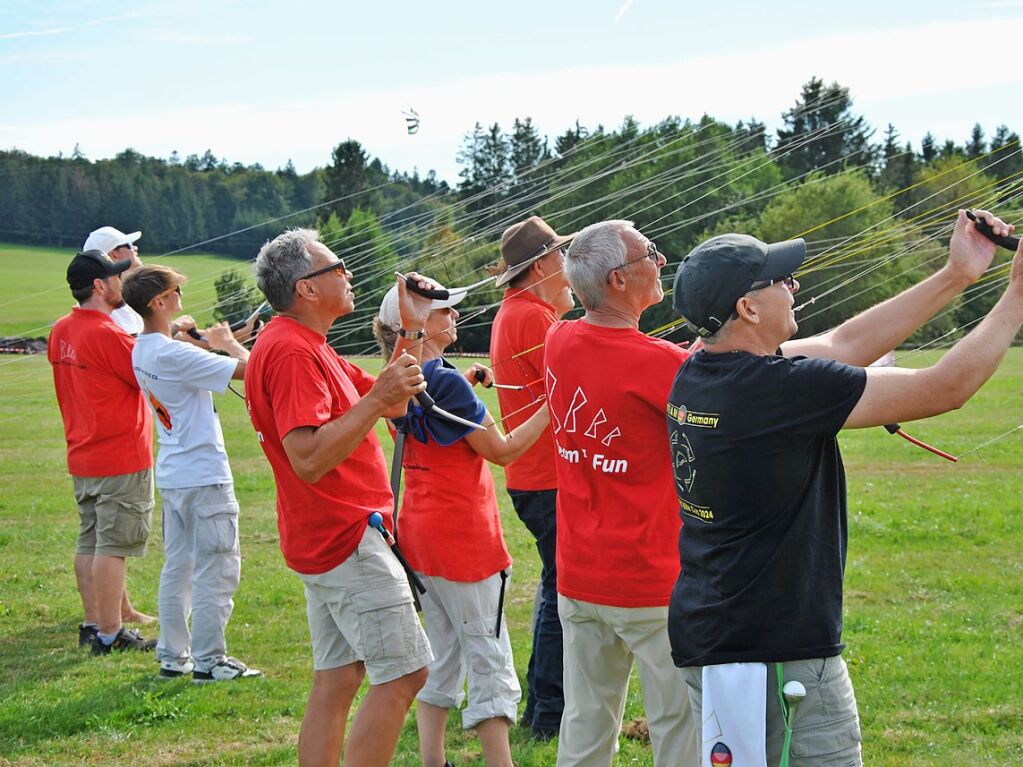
(788, 280)
(127, 245)
(175, 289)
(338, 266)
(651, 252)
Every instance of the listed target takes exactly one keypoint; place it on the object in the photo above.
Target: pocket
(486, 652)
(217, 528)
(387, 620)
(133, 521)
(831, 724)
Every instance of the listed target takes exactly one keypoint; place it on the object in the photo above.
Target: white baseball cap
(106, 238)
(390, 317)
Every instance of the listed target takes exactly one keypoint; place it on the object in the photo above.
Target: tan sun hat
(525, 242)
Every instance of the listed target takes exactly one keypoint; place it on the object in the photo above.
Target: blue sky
(265, 82)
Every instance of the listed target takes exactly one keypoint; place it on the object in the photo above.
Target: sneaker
(172, 669)
(85, 634)
(225, 669)
(126, 639)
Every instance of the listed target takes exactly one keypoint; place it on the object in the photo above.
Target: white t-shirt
(176, 379)
(127, 319)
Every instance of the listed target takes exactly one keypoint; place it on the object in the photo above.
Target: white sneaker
(226, 669)
(172, 669)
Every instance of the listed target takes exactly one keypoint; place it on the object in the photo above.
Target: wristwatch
(411, 335)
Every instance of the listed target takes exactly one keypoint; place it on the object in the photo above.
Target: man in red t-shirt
(536, 297)
(109, 435)
(618, 524)
(314, 414)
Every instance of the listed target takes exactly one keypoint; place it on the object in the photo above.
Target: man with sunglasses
(536, 296)
(314, 414)
(753, 420)
(109, 437)
(618, 519)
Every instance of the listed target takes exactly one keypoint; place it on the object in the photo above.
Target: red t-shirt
(516, 355)
(107, 425)
(295, 379)
(618, 519)
(450, 526)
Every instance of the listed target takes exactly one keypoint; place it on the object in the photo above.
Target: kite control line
(376, 521)
(894, 428)
(1009, 243)
(428, 405)
(481, 377)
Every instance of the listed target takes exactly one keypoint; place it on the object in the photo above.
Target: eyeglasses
(788, 280)
(651, 252)
(127, 245)
(338, 266)
(175, 289)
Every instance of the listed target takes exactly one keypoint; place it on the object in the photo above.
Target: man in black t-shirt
(753, 420)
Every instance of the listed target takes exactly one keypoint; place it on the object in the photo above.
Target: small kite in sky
(411, 121)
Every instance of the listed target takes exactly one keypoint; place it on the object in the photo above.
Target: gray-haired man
(314, 413)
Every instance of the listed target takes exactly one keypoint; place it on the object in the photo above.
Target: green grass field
(934, 600)
(34, 292)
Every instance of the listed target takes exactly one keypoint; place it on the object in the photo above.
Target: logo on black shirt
(685, 417)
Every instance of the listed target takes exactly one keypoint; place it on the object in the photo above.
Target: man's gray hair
(594, 252)
(280, 264)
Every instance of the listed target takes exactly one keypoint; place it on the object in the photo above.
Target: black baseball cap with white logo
(720, 271)
(93, 264)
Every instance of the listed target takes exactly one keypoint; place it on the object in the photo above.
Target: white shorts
(362, 610)
(461, 621)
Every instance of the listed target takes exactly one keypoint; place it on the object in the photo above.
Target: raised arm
(873, 333)
(893, 395)
(502, 449)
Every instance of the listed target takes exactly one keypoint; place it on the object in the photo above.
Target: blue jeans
(545, 699)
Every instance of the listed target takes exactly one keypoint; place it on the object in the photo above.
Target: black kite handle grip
(436, 295)
(1009, 243)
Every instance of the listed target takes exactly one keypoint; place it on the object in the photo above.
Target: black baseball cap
(720, 271)
(90, 265)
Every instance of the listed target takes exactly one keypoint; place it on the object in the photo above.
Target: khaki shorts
(826, 725)
(114, 513)
(362, 610)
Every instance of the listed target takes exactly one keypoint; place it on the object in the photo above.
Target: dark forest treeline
(57, 201)
(824, 173)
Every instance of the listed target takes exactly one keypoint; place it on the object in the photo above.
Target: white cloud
(623, 10)
(40, 33)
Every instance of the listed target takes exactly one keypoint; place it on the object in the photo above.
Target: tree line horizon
(695, 178)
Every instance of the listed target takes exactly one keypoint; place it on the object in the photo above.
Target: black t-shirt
(762, 495)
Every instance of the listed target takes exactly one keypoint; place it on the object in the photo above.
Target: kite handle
(1009, 243)
(436, 295)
